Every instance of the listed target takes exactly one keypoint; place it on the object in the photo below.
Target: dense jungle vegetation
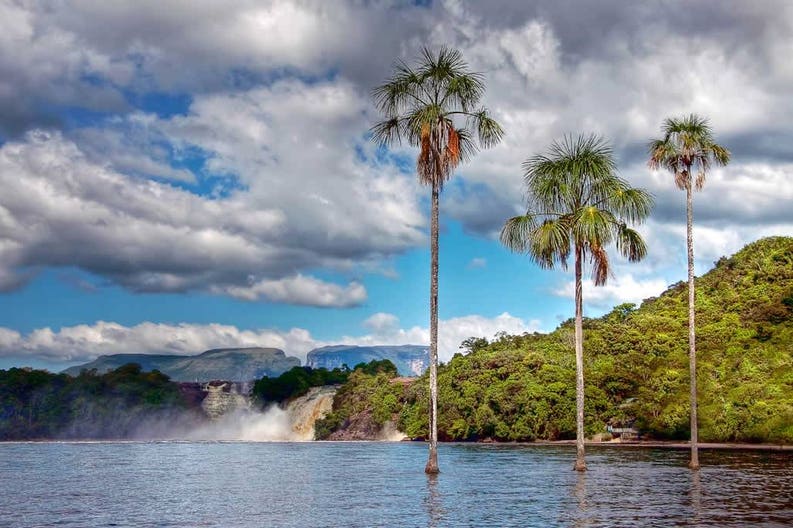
(296, 382)
(368, 392)
(636, 366)
(36, 404)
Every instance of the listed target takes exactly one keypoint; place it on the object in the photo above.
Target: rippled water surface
(383, 484)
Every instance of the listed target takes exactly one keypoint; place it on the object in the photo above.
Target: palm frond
(699, 181)
(592, 226)
(464, 91)
(683, 179)
(442, 66)
(630, 244)
(488, 130)
(387, 132)
(467, 144)
(516, 232)
(630, 204)
(440, 152)
(418, 118)
(720, 154)
(550, 242)
(403, 88)
(548, 183)
(663, 154)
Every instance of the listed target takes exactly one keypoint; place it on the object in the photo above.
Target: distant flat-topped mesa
(410, 360)
(230, 364)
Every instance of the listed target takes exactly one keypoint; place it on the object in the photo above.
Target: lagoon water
(315, 484)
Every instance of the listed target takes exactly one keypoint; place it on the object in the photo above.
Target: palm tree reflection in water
(696, 497)
(582, 517)
(433, 503)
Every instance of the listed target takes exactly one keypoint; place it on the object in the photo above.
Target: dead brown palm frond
(600, 264)
(682, 180)
(453, 147)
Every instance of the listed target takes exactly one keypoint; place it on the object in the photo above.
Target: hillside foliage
(369, 395)
(295, 382)
(522, 387)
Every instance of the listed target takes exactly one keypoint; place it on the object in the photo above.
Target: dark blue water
(383, 484)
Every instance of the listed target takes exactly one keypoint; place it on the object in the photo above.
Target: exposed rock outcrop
(223, 398)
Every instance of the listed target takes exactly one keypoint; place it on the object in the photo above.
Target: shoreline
(634, 444)
(671, 444)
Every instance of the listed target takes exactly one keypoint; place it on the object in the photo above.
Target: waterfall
(233, 418)
(224, 399)
(307, 409)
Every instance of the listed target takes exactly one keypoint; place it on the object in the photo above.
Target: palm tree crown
(576, 200)
(687, 145)
(435, 107)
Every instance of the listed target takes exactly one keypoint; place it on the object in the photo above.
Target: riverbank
(654, 444)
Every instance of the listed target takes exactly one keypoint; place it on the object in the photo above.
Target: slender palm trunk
(692, 348)
(580, 463)
(432, 462)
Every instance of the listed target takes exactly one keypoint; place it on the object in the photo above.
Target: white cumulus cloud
(81, 343)
(385, 329)
(619, 289)
(301, 290)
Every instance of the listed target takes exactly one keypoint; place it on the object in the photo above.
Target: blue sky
(182, 176)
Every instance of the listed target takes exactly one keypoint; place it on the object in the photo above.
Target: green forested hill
(123, 403)
(636, 366)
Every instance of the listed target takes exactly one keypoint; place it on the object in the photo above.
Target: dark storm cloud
(762, 146)
(591, 29)
(478, 207)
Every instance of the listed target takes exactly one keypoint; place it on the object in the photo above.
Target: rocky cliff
(223, 398)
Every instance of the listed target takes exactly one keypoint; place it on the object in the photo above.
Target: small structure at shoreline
(625, 433)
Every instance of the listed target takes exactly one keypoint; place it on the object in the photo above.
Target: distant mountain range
(410, 360)
(246, 364)
(230, 364)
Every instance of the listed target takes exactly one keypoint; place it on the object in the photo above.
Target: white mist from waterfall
(274, 424)
(390, 433)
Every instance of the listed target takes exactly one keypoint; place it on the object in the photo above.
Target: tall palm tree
(688, 145)
(578, 204)
(435, 106)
